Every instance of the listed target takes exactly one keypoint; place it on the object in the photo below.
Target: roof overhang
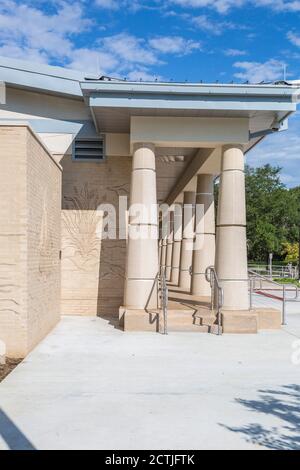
(113, 103)
(41, 78)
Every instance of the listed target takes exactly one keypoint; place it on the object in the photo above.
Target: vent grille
(89, 149)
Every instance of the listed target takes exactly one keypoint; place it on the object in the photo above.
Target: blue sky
(180, 40)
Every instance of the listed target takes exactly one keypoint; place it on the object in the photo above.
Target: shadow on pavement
(283, 404)
(12, 436)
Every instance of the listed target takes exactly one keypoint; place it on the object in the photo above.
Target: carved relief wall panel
(93, 267)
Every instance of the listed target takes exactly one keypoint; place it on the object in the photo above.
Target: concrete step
(188, 328)
(207, 319)
(185, 320)
(206, 316)
(239, 322)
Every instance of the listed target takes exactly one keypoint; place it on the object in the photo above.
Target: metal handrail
(212, 277)
(160, 281)
(254, 275)
(164, 294)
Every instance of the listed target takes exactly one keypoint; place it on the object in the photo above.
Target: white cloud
(279, 5)
(206, 24)
(234, 52)
(223, 6)
(109, 4)
(290, 180)
(30, 29)
(93, 61)
(144, 75)
(29, 33)
(132, 5)
(281, 149)
(174, 45)
(294, 38)
(18, 52)
(256, 72)
(129, 48)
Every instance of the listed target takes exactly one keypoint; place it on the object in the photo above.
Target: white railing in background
(276, 271)
(261, 285)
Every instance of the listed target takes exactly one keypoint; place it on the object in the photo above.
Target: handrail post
(220, 302)
(283, 305)
(217, 294)
(251, 293)
(164, 297)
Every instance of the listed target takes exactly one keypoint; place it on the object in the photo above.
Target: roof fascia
(213, 104)
(287, 92)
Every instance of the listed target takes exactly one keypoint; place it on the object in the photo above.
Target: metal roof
(40, 77)
(112, 101)
(61, 80)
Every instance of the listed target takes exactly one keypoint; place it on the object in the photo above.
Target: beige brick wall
(92, 269)
(43, 241)
(30, 206)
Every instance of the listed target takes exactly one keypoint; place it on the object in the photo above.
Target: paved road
(91, 386)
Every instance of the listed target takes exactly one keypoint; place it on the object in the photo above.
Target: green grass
(287, 280)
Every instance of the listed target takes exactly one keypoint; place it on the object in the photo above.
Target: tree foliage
(291, 252)
(273, 213)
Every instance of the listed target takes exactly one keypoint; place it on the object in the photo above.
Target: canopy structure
(177, 138)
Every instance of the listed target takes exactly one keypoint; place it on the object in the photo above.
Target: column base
(251, 321)
(203, 321)
(139, 320)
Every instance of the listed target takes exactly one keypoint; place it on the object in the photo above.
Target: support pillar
(176, 244)
(231, 250)
(186, 254)
(204, 251)
(142, 252)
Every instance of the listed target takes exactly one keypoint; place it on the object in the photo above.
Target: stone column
(142, 252)
(176, 244)
(231, 250)
(204, 250)
(186, 254)
(169, 245)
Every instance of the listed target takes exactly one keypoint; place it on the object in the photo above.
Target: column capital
(232, 147)
(233, 158)
(143, 145)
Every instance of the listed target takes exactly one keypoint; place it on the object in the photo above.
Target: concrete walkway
(91, 386)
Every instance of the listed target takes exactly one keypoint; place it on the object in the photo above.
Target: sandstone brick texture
(30, 238)
(93, 268)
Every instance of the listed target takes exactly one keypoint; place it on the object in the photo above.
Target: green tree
(296, 194)
(272, 212)
(291, 252)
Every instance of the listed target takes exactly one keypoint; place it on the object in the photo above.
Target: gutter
(286, 92)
